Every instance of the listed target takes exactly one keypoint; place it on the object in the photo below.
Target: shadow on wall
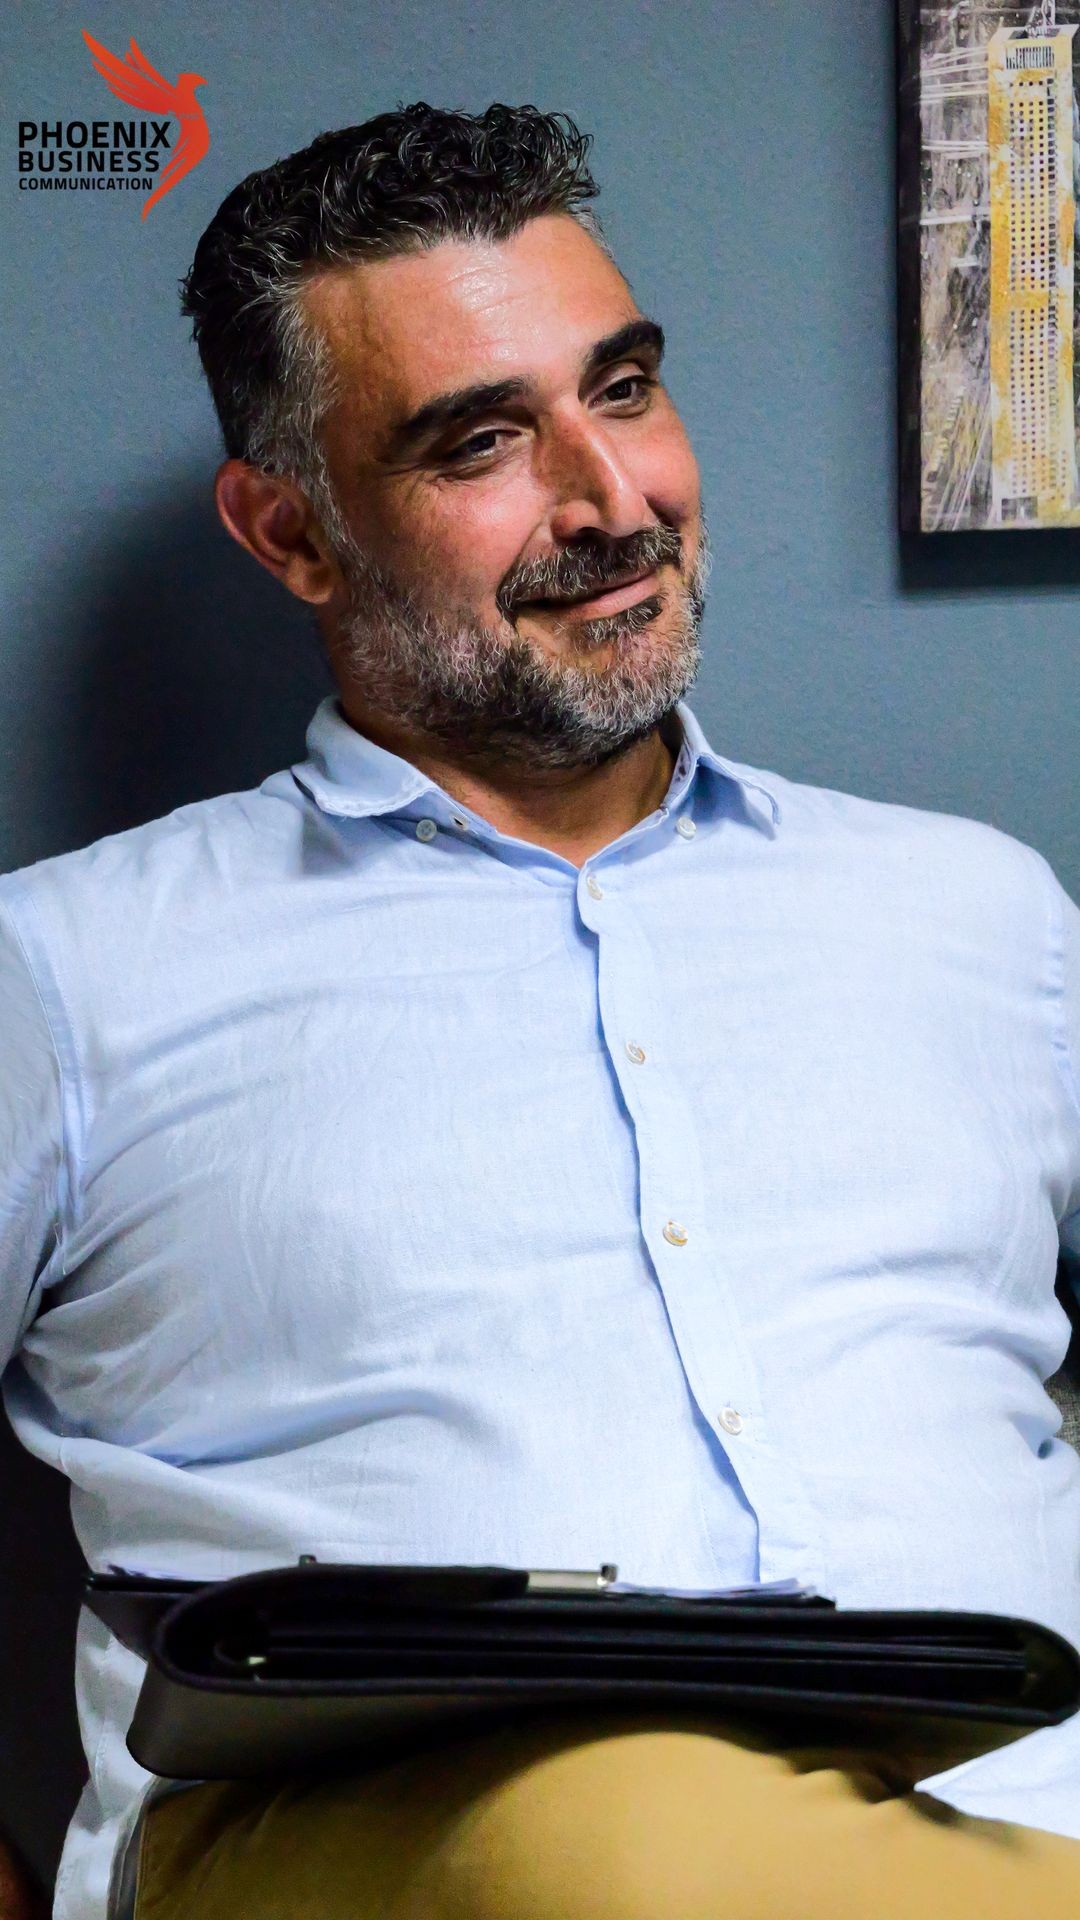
(947, 564)
(179, 669)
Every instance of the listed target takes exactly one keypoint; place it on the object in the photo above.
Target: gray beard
(486, 698)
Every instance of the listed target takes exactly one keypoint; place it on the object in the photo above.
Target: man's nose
(592, 484)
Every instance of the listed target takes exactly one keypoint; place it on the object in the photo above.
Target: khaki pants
(649, 1818)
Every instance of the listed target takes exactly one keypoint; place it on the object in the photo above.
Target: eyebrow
(464, 403)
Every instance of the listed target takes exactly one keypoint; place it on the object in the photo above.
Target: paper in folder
(301, 1666)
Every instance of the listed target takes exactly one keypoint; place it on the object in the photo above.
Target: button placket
(701, 1298)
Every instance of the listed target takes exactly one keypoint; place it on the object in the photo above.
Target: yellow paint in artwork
(1032, 221)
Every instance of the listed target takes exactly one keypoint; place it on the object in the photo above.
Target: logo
(120, 153)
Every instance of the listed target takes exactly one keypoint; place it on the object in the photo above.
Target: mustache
(588, 570)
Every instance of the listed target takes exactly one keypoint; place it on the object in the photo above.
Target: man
(518, 1134)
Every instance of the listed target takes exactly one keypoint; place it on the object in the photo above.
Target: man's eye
(469, 450)
(631, 380)
(479, 446)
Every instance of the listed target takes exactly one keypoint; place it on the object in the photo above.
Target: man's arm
(31, 1136)
(31, 1154)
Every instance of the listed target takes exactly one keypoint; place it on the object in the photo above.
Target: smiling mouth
(603, 600)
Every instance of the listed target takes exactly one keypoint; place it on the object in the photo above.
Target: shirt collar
(696, 751)
(347, 774)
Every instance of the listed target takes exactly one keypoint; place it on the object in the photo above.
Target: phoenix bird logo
(135, 81)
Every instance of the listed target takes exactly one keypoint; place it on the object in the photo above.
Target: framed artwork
(989, 171)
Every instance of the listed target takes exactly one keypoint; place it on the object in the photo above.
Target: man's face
(464, 536)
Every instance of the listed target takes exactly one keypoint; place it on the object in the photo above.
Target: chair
(1064, 1385)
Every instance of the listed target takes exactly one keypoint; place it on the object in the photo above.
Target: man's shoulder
(832, 826)
(171, 860)
(808, 805)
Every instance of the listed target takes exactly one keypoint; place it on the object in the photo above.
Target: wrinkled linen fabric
(377, 1185)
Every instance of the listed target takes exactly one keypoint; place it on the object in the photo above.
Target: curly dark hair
(398, 183)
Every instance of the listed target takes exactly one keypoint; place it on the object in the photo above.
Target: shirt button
(686, 827)
(677, 1235)
(636, 1053)
(594, 887)
(731, 1421)
(426, 829)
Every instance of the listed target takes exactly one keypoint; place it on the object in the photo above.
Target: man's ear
(274, 521)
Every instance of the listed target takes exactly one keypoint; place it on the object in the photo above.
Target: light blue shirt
(376, 1185)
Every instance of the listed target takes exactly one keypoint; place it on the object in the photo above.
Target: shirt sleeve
(31, 1140)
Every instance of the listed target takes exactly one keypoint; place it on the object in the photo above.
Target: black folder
(303, 1667)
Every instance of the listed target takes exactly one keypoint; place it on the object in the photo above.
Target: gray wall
(746, 156)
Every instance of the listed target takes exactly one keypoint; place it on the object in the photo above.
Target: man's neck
(571, 811)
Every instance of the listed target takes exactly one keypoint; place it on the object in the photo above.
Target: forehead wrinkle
(381, 391)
